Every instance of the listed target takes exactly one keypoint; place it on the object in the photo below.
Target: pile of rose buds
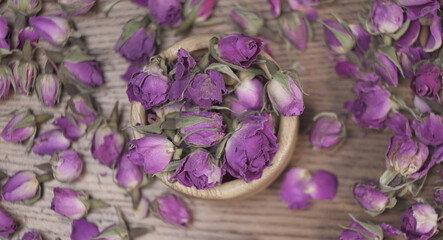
(396, 42)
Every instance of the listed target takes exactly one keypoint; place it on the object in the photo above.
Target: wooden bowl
(236, 189)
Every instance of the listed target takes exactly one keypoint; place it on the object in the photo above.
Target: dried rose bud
(201, 129)
(185, 64)
(71, 130)
(370, 198)
(206, 175)
(69, 203)
(371, 106)
(434, 39)
(285, 102)
(275, 7)
(328, 131)
(386, 69)
(127, 174)
(410, 36)
(295, 28)
(249, 22)
(149, 87)
(398, 123)
(239, 49)
(48, 88)
(293, 188)
(308, 7)
(337, 38)
(132, 69)
(4, 34)
(52, 28)
(82, 68)
(12, 133)
(345, 68)
(205, 10)
(32, 236)
(107, 144)
(49, 142)
(25, 73)
(212, 92)
(421, 106)
(251, 134)
(26, 7)
(172, 210)
(82, 109)
(250, 91)
(322, 186)
(82, 229)
(26, 34)
(386, 16)
(21, 186)
(67, 166)
(359, 230)
(430, 129)
(7, 225)
(153, 152)
(138, 40)
(427, 82)
(409, 57)
(6, 79)
(438, 195)
(361, 36)
(419, 221)
(166, 13)
(142, 210)
(76, 7)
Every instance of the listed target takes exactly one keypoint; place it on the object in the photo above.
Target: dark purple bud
(419, 221)
(410, 36)
(166, 13)
(285, 102)
(127, 174)
(370, 197)
(429, 130)
(11, 133)
(21, 186)
(201, 129)
(52, 28)
(26, 34)
(250, 91)
(172, 210)
(420, 9)
(32, 236)
(239, 49)
(83, 230)
(6, 79)
(328, 130)
(409, 57)
(206, 90)
(386, 69)
(132, 69)
(82, 110)
(438, 195)
(7, 225)
(76, 7)
(25, 7)
(67, 166)
(337, 38)
(295, 28)
(198, 170)
(71, 130)
(107, 145)
(25, 73)
(361, 36)
(184, 65)
(82, 69)
(427, 82)
(205, 10)
(386, 16)
(4, 34)
(275, 7)
(293, 188)
(398, 123)
(49, 142)
(249, 22)
(153, 152)
(48, 88)
(69, 203)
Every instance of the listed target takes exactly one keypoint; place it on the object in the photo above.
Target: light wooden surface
(264, 216)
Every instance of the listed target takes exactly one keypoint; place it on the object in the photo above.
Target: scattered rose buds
(48, 88)
(25, 71)
(15, 132)
(172, 210)
(328, 131)
(398, 123)
(67, 166)
(7, 225)
(52, 28)
(82, 229)
(419, 221)
(275, 7)
(361, 230)
(386, 16)
(386, 69)
(239, 49)
(205, 10)
(76, 7)
(21, 186)
(49, 142)
(250, 91)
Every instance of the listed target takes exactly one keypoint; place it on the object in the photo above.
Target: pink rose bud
(205, 10)
(69, 203)
(361, 36)
(386, 69)
(153, 152)
(25, 73)
(409, 57)
(52, 28)
(250, 91)
(142, 210)
(4, 34)
(11, 133)
(32, 236)
(82, 229)
(6, 79)
(26, 7)
(67, 166)
(7, 225)
(82, 69)
(295, 28)
(213, 91)
(370, 198)
(82, 109)
(293, 188)
(337, 38)
(398, 123)
(322, 186)
(76, 7)
(386, 16)
(360, 230)
(127, 174)
(430, 130)
(285, 96)
(172, 210)
(419, 221)
(328, 131)
(427, 82)
(166, 13)
(275, 7)
(239, 49)
(21, 186)
(107, 145)
(71, 130)
(49, 142)
(48, 88)
(249, 22)
(201, 129)
(26, 34)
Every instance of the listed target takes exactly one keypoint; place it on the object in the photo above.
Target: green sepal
(220, 150)
(401, 31)
(84, 200)
(77, 55)
(172, 165)
(96, 204)
(135, 233)
(131, 27)
(45, 177)
(38, 87)
(108, 7)
(346, 40)
(189, 19)
(135, 197)
(20, 70)
(113, 119)
(72, 8)
(280, 77)
(24, 7)
(255, 22)
(114, 231)
(46, 166)
(370, 227)
(149, 129)
(186, 121)
(390, 53)
(223, 68)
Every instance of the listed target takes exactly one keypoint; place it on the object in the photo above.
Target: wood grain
(264, 216)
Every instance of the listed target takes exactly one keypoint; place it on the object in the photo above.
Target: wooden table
(264, 216)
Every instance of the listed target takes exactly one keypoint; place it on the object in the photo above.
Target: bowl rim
(235, 189)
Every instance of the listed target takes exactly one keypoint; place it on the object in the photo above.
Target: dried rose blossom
(27, 33)
(7, 225)
(6, 79)
(76, 7)
(386, 69)
(204, 132)
(52, 28)
(307, 7)
(32, 236)
(107, 144)
(23, 185)
(82, 69)
(419, 221)
(185, 64)
(67, 166)
(69, 203)
(370, 198)
(11, 133)
(295, 28)
(127, 174)
(82, 109)
(427, 82)
(328, 131)
(386, 16)
(430, 129)
(48, 88)
(239, 49)
(337, 38)
(286, 103)
(172, 210)
(4, 34)
(166, 13)
(71, 130)
(49, 142)
(275, 7)
(82, 229)
(398, 123)
(25, 7)
(249, 22)
(212, 92)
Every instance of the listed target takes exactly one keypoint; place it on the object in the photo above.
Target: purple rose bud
(337, 38)
(127, 174)
(26, 34)
(153, 152)
(49, 142)
(149, 87)
(76, 7)
(52, 28)
(82, 69)
(205, 10)
(4, 34)
(67, 166)
(421, 106)
(212, 92)
(25, 73)
(6, 79)
(370, 197)
(293, 188)
(429, 130)
(172, 210)
(434, 40)
(138, 41)
(371, 106)
(25, 7)
(32, 236)
(427, 82)
(408, 157)
(12, 134)
(250, 91)
(275, 7)
(420, 9)
(71, 130)
(361, 36)
(107, 145)
(357, 231)
(141, 2)
(198, 170)
(345, 68)
(184, 66)
(48, 88)
(322, 186)
(328, 131)
(82, 230)
(386, 69)
(410, 56)
(286, 103)
(23, 185)
(82, 110)
(239, 49)
(142, 210)
(410, 36)
(166, 13)
(201, 129)
(249, 22)
(398, 123)
(386, 16)
(132, 69)
(438, 195)
(437, 156)
(69, 203)
(7, 225)
(391, 231)
(251, 134)
(295, 28)
(419, 221)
